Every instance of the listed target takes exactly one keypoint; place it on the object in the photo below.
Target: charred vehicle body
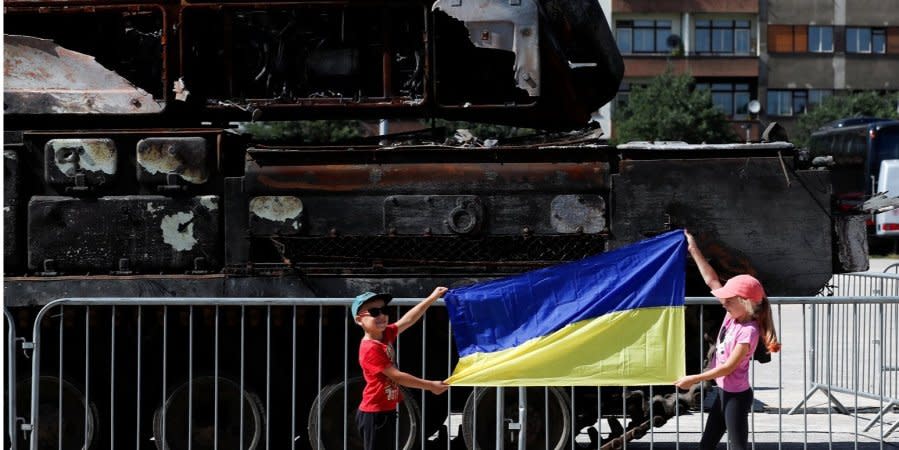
(124, 179)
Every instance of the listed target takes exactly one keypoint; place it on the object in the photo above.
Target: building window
(820, 39)
(865, 40)
(793, 102)
(816, 96)
(728, 37)
(643, 36)
(731, 98)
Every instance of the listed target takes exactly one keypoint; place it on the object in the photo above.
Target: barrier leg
(892, 429)
(808, 395)
(880, 415)
(817, 387)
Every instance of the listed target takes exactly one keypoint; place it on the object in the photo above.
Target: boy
(376, 417)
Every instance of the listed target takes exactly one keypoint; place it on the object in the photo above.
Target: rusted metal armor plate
(43, 78)
(748, 214)
(153, 233)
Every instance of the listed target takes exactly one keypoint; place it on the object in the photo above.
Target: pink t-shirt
(733, 333)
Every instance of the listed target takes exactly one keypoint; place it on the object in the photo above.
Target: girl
(748, 317)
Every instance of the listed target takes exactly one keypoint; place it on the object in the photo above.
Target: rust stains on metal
(41, 77)
(472, 177)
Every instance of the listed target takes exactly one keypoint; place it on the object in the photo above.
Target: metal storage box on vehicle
(139, 233)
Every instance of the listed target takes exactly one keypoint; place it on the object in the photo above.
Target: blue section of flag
(505, 313)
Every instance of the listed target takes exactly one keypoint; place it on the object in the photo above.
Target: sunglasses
(375, 312)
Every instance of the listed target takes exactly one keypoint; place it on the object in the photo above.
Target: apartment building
(787, 54)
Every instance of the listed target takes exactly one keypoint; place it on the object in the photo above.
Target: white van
(887, 224)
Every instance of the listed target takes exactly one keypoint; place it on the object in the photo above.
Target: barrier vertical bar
(140, 313)
(805, 379)
(11, 379)
(546, 414)
(855, 369)
(190, 377)
(165, 337)
(449, 391)
(293, 381)
(424, 339)
(500, 413)
(522, 417)
(318, 404)
(598, 418)
(573, 431)
(87, 373)
(112, 381)
(215, 394)
(346, 384)
(243, 317)
(268, 373)
(59, 388)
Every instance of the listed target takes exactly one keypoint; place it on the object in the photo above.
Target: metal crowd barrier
(855, 348)
(254, 373)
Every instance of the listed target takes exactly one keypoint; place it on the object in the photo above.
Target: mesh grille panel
(494, 249)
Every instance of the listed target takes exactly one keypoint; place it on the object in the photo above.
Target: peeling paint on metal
(91, 155)
(278, 209)
(173, 156)
(152, 209)
(210, 202)
(178, 231)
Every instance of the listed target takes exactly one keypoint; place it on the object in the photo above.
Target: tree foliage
(307, 132)
(859, 104)
(669, 109)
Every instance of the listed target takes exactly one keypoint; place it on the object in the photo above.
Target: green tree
(669, 109)
(859, 104)
(307, 131)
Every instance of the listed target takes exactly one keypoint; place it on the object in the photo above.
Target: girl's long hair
(766, 325)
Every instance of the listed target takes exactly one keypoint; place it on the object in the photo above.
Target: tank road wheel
(202, 433)
(332, 408)
(57, 426)
(479, 416)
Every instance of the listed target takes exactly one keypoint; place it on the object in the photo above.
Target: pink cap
(745, 286)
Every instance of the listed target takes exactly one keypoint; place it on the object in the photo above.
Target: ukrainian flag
(613, 319)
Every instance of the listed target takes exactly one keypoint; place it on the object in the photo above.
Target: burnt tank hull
(125, 178)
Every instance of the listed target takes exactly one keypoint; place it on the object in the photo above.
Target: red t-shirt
(381, 394)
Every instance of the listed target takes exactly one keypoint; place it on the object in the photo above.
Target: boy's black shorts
(377, 429)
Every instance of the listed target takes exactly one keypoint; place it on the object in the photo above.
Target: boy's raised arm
(418, 310)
